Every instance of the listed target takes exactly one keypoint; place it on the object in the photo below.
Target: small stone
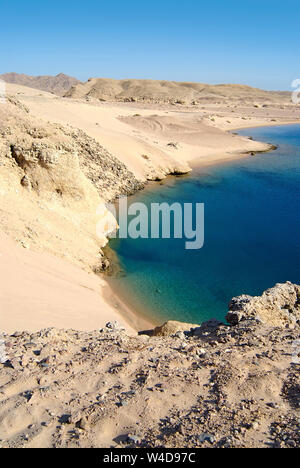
(25, 182)
(30, 345)
(15, 363)
(114, 326)
(291, 443)
(133, 439)
(44, 365)
(82, 423)
(272, 405)
(17, 334)
(206, 438)
(25, 361)
(180, 335)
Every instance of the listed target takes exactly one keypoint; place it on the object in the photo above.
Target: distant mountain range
(58, 84)
(173, 92)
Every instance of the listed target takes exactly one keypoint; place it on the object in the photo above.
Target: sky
(230, 41)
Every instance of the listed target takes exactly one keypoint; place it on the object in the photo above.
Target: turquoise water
(252, 231)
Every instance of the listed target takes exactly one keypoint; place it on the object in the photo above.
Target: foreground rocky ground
(184, 386)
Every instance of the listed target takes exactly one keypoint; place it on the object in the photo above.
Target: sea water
(252, 232)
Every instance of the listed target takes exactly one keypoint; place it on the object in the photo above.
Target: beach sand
(40, 291)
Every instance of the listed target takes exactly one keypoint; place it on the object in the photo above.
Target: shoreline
(152, 144)
(119, 300)
(269, 124)
(127, 311)
(130, 314)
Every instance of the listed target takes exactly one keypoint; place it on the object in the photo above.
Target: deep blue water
(252, 232)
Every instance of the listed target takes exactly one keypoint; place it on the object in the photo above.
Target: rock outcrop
(53, 182)
(278, 306)
(172, 327)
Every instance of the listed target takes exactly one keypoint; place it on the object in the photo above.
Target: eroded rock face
(54, 148)
(278, 306)
(53, 181)
(34, 154)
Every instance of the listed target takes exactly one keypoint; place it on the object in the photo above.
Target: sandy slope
(39, 290)
(50, 202)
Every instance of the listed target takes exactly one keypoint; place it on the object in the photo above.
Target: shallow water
(252, 231)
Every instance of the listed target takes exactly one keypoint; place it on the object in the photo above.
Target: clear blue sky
(242, 41)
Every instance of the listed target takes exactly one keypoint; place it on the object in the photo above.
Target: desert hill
(170, 92)
(132, 90)
(58, 84)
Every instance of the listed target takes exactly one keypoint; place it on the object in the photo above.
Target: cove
(252, 231)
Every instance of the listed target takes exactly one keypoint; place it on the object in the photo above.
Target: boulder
(278, 306)
(172, 327)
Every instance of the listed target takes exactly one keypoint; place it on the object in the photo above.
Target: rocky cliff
(54, 181)
(278, 306)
